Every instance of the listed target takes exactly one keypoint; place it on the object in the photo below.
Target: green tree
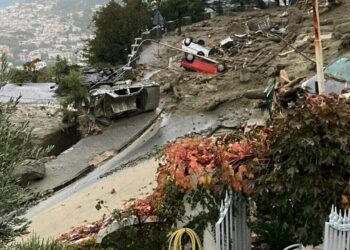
(74, 92)
(176, 9)
(60, 69)
(75, 96)
(116, 27)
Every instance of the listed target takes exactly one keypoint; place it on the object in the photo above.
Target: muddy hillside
(251, 57)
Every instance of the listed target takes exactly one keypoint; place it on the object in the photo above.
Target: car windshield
(339, 69)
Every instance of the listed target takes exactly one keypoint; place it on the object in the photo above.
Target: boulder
(30, 170)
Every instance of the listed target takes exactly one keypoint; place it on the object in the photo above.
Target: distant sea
(6, 3)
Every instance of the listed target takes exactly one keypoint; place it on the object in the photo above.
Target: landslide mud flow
(195, 102)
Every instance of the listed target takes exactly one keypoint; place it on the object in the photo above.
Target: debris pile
(254, 46)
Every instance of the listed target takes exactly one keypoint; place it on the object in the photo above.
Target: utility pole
(159, 21)
(318, 48)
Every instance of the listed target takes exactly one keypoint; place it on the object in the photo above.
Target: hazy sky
(5, 3)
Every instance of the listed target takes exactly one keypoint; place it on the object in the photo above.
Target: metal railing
(337, 230)
(232, 232)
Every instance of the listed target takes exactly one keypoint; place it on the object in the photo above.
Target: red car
(196, 64)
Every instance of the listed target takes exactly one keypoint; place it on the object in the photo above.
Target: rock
(30, 170)
(343, 28)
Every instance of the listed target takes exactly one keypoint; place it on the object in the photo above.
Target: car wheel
(188, 41)
(201, 42)
(221, 67)
(189, 57)
(201, 53)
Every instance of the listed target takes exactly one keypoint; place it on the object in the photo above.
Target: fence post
(337, 230)
(232, 232)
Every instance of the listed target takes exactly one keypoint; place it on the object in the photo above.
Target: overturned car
(189, 46)
(123, 98)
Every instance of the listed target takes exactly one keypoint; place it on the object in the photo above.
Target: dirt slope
(187, 92)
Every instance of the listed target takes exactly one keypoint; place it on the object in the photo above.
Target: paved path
(75, 161)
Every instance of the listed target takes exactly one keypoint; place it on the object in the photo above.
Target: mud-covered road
(166, 128)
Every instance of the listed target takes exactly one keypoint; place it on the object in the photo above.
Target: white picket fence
(337, 230)
(232, 232)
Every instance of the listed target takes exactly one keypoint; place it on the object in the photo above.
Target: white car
(195, 48)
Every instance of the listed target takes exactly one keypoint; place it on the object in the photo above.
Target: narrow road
(165, 129)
